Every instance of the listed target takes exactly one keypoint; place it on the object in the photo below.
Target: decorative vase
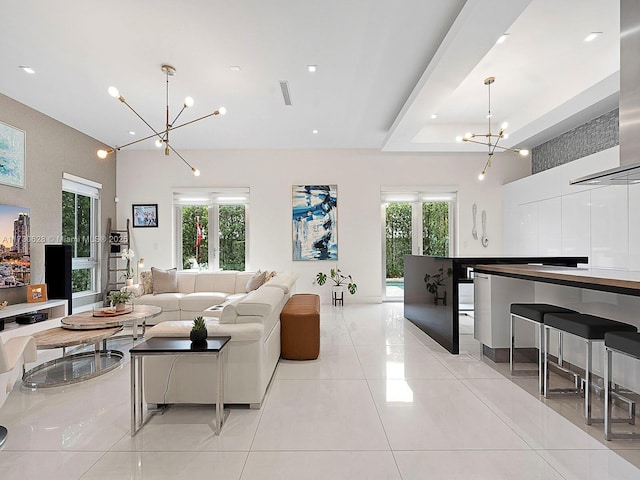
(198, 336)
(128, 282)
(120, 307)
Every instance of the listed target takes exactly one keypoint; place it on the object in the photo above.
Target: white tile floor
(383, 401)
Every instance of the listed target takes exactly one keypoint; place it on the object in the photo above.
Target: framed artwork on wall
(315, 222)
(145, 215)
(12, 148)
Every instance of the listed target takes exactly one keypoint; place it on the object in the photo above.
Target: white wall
(149, 177)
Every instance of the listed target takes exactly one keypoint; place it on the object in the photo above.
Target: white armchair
(13, 354)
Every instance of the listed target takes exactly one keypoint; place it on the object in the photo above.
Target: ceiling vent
(284, 86)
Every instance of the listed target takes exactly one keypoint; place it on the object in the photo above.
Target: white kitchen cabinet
(493, 298)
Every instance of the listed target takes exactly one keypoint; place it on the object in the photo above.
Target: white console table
(55, 308)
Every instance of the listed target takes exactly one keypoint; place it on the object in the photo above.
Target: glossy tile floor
(383, 401)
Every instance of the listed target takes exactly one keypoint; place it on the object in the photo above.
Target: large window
(80, 224)
(414, 223)
(211, 229)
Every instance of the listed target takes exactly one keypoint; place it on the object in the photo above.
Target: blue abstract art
(315, 225)
(11, 156)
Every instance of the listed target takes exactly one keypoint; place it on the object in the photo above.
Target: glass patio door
(421, 225)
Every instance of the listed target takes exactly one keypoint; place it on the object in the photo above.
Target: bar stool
(534, 313)
(624, 343)
(591, 329)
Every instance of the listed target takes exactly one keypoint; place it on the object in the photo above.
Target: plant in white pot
(127, 254)
(339, 282)
(119, 298)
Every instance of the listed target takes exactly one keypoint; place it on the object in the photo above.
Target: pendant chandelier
(491, 139)
(162, 136)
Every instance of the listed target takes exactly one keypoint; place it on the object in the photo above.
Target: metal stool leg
(587, 384)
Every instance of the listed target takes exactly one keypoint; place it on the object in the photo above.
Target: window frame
(88, 188)
(212, 198)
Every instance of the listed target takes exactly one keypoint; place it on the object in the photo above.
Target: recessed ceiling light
(27, 69)
(314, 132)
(502, 38)
(592, 36)
(235, 68)
(312, 68)
(131, 132)
(435, 115)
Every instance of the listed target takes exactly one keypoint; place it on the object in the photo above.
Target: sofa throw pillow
(146, 282)
(164, 281)
(255, 281)
(269, 276)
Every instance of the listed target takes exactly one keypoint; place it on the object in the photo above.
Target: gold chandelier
(491, 139)
(162, 137)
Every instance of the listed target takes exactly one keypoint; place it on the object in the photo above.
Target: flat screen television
(15, 259)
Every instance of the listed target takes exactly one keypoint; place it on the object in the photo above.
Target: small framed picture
(36, 293)
(145, 215)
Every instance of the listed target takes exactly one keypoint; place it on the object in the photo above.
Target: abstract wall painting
(315, 222)
(11, 156)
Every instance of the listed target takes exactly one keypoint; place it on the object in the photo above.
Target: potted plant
(434, 282)
(119, 298)
(339, 282)
(127, 254)
(198, 331)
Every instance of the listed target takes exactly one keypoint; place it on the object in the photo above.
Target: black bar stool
(624, 343)
(591, 329)
(534, 313)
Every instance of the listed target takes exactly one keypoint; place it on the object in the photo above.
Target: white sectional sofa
(253, 322)
(196, 292)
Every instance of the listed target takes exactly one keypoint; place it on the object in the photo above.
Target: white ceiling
(384, 67)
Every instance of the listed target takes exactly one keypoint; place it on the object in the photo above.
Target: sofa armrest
(136, 290)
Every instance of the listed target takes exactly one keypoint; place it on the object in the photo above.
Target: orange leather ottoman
(300, 328)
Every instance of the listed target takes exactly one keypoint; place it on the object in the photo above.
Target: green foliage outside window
(231, 240)
(435, 233)
(435, 229)
(81, 280)
(398, 241)
(76, 231)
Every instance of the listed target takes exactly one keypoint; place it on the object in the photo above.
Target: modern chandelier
(162, 137)
(491, 139)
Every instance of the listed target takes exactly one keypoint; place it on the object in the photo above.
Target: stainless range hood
(622, 175)
(629, 169)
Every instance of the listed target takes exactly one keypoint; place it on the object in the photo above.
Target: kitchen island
(608, 293)
(431, 289)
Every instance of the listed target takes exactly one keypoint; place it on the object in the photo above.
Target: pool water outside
(394, 288)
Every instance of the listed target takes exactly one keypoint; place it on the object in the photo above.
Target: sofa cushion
(284, 281)
(181, 329)
(260, 302)
(199, 301)
(169, 302)
(187, 281)
(146, 282)
(216, 282)
(164, 281)
(241, 281)
(256, 280)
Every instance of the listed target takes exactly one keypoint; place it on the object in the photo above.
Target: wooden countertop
(607, 280)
